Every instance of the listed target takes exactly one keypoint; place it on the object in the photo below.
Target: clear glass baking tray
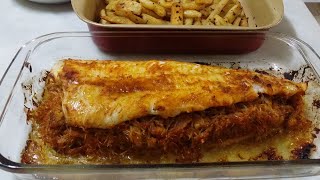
(280, 55)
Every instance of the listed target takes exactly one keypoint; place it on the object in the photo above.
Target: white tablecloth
(21, 21)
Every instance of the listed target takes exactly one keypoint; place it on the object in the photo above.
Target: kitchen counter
(22, 21)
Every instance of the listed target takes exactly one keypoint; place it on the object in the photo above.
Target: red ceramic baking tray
(262, 14)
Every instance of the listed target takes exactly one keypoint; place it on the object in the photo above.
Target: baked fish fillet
(102, 94)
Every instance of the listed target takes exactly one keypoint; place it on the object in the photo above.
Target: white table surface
(21, 21)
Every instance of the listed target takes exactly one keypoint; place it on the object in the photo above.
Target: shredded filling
(185, 136)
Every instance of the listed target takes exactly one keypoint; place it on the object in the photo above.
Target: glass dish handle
(11, 76)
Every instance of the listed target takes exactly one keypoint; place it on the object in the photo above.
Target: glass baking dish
(280, 55)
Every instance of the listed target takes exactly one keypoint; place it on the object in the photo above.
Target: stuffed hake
(164, 111)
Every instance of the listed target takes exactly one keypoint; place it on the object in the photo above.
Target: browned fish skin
(102, 94)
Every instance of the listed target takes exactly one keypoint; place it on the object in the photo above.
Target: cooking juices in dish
(128, 112)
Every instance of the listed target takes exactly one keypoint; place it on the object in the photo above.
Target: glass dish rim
(14, 167)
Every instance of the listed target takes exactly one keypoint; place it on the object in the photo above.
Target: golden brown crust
(142, 138)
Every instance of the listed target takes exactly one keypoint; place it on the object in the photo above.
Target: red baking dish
(262, 15)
